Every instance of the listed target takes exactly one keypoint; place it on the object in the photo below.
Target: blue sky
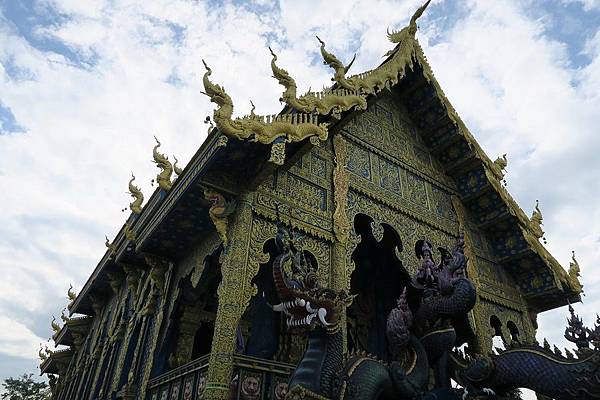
(84, 86)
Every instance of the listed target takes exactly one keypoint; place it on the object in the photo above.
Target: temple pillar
(239, 264)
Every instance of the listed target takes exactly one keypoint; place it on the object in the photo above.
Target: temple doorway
(378, 280)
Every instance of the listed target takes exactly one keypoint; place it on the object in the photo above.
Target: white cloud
(64, 181)
(18, 341)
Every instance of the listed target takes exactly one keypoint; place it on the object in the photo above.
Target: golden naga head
(54, 324)
(158, 157)
(411, 29)
(215, 92)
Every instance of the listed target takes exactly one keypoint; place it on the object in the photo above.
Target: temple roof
(239, 153)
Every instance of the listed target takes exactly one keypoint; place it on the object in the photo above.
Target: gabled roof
(239, 153)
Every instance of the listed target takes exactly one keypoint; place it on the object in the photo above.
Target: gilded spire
(138, 197)
(177, 170)
(164, 176)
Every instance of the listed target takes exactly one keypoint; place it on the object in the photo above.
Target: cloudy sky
(84, 86)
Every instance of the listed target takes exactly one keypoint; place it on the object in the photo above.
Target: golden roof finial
(499, 165)
(138, 197)
(411, 29)
(177, 170)
(575, 273)
(338, 67)
(536, 221)
(110, 246)
(43, 357)
(129, 232)
(63, 315)
(71, 295)
(265, 130)
(164, 176)
(54, 324)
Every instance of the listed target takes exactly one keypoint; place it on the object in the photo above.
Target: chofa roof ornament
(270, 129)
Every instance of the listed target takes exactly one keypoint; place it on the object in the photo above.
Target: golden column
(235, 291)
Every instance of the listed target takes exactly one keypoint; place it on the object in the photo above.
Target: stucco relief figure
(250, 388)
(201, 386)
(280, 390)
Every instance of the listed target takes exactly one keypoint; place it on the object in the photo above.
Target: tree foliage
(24, 388)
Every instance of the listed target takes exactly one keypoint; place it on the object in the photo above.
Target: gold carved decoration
(263, 129)
(43, 357)
(164, 177)
(219, 212)
(498, 167)
(536, 221)
(334, 101)
(138, 197)
(55, 326)
(341, 183)
(239, 264)
(112, 248)
(277, 153)
(71, 295)
(63, 316)
(159, 267)
(387, 74)
(129, 232)
(574, 274)
(176, 169)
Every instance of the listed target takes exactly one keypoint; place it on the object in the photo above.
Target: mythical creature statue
(326, 373)
(219, 212)
(164, 177)
(328, 101)
(43, 357)
(291, 127)
(547, 372)
(138, 197)
(388, 73)
(429, 321)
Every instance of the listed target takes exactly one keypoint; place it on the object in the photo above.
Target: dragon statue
(138, 197)
(423, 331)
(266, 130)
(388, 73)
(219, 212)
(329, 101)
(164, 177)
(55, 325)
(547, 372)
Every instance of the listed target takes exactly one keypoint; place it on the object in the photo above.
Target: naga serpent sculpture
(430, 319)
(334, 101)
